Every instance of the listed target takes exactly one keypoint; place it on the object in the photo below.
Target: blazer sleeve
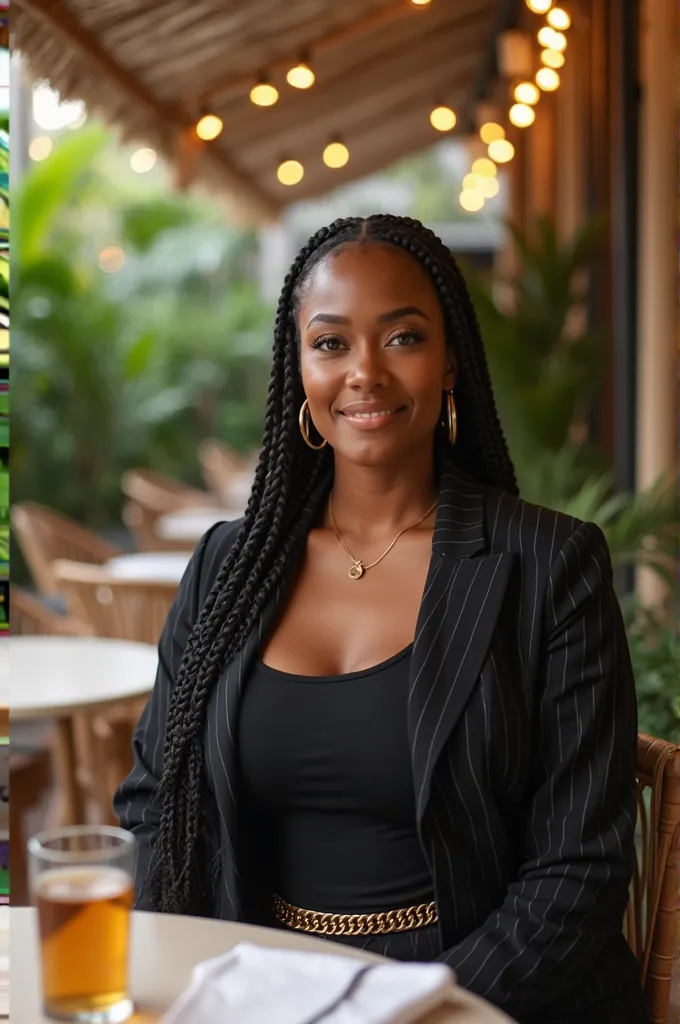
(577, 850)
(135, 800)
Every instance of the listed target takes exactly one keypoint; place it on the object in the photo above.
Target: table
(57, 677)
(188, 525)
(151, 566)
(165, 948)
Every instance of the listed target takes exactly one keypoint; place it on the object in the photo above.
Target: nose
(368, 369)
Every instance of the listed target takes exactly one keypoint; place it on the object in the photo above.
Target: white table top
(55, 676)
(150, 566)
(165, 948)
(189, 525)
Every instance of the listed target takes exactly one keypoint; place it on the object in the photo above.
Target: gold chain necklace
(358, 568)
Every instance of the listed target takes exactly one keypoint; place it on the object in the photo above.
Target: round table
(57, 677)
(165, 948)
(151, 566)
(188, 525)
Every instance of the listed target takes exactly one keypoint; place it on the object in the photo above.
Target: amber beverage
(83, 899)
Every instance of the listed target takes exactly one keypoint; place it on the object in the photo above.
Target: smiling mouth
(372, 419)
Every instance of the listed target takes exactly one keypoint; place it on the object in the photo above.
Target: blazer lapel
(462, 598)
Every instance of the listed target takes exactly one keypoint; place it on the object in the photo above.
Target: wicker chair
(150, 495)
(221, 466)
(44, 536)
(30, 617)
(653, 914)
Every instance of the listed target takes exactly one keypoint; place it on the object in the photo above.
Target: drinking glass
(81, 880)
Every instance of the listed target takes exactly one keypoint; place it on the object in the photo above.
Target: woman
(394, 690)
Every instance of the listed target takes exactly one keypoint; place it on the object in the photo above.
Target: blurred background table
(187, 526)
(166, 948)
(156, 566)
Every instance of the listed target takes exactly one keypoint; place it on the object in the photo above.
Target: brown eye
(405, 338)
(329, 343)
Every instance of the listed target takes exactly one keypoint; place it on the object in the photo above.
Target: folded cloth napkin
(257, 985)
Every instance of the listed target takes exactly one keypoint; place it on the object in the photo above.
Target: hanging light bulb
(559, 42)
(290, 172)
(471, 200)
(336, 154)
(527, 92)
(545, 36)
(539, 6)
(301, 76)
(491, 131)
(143, 160)
(420, 3)
(488, 187)
(443, 119)
(209, 127)
(484, 168)
(264, 94)
(559, 19)
(521, 115)
(501, 151)
(471, 183)
(547, 79)
(552, 59)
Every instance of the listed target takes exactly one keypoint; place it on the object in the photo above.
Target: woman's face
(373, 356)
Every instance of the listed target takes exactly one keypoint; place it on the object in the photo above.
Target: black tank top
(326, 768)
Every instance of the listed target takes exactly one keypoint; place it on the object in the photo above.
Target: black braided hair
(287, 475)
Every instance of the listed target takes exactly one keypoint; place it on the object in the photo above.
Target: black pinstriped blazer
(522, 725)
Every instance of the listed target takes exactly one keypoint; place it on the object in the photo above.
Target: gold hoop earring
(304, 428)
(451, 417)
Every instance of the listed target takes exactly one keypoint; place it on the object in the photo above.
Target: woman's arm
(135, 800)
(572, 889)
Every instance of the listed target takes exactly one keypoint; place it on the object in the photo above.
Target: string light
(40, 148)
(539, 6)
(521, 115)
(301, 76)
(547, 79)
(142, 160)
(264, 94)
(491, 131)
(501, 151)
(488, 187)
(336, 154)
(527, 92)
(558, 19)
(443, 119)
(420, 3)
(209, 127)
(471, 200)
(112, 259)
(484, 168)
(471, 183)
(552, 59)
(559, 42)
(290, 172)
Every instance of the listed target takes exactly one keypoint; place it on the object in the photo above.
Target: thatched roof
(152, 66)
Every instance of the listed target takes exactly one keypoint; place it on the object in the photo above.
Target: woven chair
(653, 914)
(124, 610)
(151, 495)
(30, 617)
(220, 466)
(45, 535)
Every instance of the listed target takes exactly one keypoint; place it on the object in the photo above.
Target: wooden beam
(56, 17)
(345, 34)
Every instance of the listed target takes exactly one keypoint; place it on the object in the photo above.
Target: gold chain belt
(403, 920)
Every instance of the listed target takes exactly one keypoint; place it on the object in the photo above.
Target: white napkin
(257, 985)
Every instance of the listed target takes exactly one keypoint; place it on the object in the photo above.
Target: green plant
(655, 654)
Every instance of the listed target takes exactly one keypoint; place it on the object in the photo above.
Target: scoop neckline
(361, 674)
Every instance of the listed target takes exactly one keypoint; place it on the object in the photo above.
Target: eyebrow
(384, 318)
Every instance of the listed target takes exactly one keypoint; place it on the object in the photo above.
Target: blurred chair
(30, 617)
(45, 536)
(653, 913)
(221, 466)
(150, 495)
(124, 610)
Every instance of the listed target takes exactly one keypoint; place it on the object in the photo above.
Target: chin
(372, 455)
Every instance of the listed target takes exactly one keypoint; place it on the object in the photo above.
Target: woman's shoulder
(213, 549)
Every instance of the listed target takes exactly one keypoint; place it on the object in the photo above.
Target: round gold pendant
(357, 571)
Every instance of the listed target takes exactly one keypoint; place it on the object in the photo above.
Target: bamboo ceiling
(153, 66)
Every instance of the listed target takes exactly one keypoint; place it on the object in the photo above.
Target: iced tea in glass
(82, 884)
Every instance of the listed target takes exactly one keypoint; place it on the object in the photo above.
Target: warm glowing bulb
(491, 131)
(546, 36)
(527, 92)
(40, 148)
(142, 160)
(335, 155)
(264, 95)
(484, 168)
(420, 3)
(539, 6)
(558, 19)
(471, 183)
(552, 59)
(547, 79)
(559, 42)
(521, 115)
(488, 187)
(290, 172)
(501, 151)
(443, 119)
(301, 76)
(209, 127)
(112, 259)
(471, 200)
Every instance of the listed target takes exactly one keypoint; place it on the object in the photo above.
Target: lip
(370, 416)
